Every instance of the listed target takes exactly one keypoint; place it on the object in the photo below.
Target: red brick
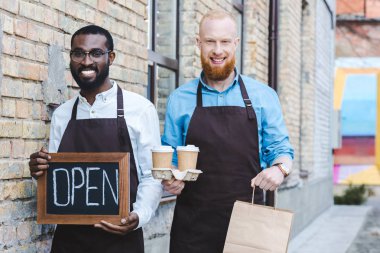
(350, 7)
(372, 9)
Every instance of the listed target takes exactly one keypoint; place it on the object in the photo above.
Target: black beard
(90, 85)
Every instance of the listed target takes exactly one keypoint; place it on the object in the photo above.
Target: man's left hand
(128, 225)
(268, 179)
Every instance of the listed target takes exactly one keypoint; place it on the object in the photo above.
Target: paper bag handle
(275, 196)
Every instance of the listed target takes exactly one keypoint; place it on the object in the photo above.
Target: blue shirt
(273, 135)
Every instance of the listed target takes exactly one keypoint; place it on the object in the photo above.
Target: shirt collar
(236, 80)
(105, 95)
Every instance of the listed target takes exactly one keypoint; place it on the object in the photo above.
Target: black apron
(227, 137)
(98, 135)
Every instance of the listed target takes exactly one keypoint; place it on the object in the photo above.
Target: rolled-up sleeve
(149, 190)
(173, 131)
(275, 137)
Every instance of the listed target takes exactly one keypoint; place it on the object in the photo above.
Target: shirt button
(92, 111)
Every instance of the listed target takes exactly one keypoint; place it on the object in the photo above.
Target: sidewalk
(333, 231)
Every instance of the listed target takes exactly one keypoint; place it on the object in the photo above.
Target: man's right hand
(39, 162)
(173, 186)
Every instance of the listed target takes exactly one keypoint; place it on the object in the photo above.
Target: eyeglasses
(95, 55)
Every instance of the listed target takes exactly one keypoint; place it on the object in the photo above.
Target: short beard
(91, 85)
(217, 73)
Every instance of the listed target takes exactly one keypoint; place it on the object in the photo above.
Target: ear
(236, 42)
(198, 41)
(111, 57)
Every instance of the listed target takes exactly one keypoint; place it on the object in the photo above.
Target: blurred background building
(285, 43)
(357, 155)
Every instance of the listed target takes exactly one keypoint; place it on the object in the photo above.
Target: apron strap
(74, 111)
(199, 94)
(120, 116)
(120, 103)
(247, 101)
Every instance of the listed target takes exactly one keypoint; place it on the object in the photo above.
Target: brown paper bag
(258, 229)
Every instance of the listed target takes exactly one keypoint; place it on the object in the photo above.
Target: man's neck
(91, 94)
(221, 85)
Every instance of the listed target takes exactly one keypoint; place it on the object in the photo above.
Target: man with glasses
(104, 118)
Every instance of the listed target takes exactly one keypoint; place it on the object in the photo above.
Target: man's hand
(173, 186)
(127, 225)
(268, 179)
(39, 162)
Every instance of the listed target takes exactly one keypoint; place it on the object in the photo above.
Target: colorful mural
(356, 96)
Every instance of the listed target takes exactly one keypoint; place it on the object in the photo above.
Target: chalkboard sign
(84, 188)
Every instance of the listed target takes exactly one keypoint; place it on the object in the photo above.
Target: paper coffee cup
(187, 157)
(162, 156)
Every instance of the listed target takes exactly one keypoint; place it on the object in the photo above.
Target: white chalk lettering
(55, 186)
(88, 188)
(78, 183)
(115, 196)
(73, 187)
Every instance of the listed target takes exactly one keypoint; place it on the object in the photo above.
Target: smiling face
(88, 74)
(217, 42)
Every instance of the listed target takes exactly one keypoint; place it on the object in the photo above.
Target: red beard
(217, 73)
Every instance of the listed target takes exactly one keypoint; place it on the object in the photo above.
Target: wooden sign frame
(123, 162)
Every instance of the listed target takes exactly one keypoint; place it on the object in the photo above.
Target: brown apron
(227, 137)
(98, 135)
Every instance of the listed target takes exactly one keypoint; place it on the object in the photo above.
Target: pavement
(342, 229)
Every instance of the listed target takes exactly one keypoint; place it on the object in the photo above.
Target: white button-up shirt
(143, 126)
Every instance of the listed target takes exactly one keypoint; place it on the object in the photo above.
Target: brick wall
(289, 76)
(358, 28)
(308, 54)
(324, 73)
(256, 18)
(34, 77)
(35, 41)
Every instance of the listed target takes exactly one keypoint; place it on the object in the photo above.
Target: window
(163, 63)
(238, 12)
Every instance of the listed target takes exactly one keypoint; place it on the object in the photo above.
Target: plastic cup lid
(163, 149)
(188, 148)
